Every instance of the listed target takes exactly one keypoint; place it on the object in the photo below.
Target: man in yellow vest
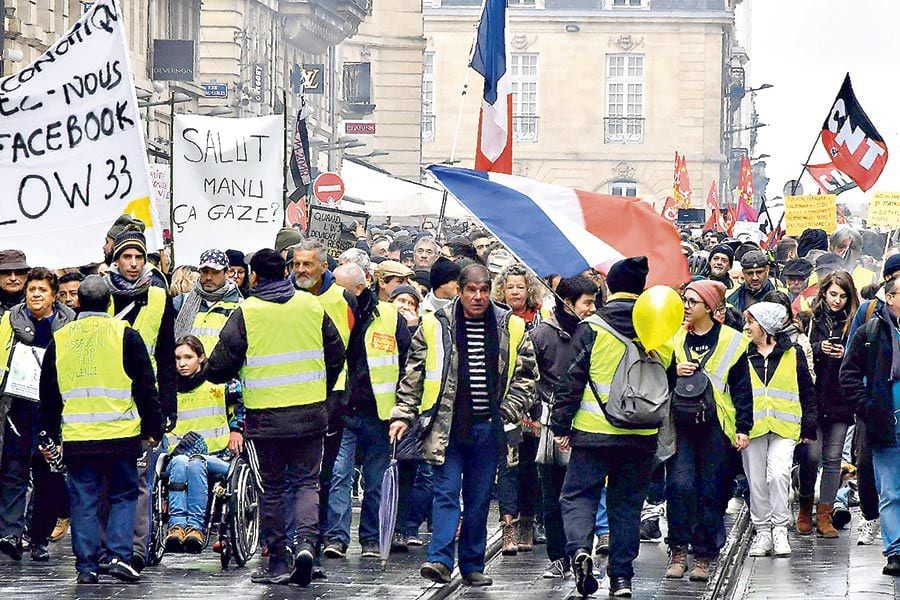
(376, 356)
(624, 457)
(288, 354)
(148, 309)
(98, 396)
(471, 371)
(203, 311)
(311, 274)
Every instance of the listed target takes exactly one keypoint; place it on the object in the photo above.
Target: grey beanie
(769, 315)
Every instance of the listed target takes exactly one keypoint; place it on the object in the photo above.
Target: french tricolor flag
(494, 149)
(555, 229)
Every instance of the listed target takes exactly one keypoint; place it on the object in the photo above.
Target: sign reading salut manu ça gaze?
(71, 146)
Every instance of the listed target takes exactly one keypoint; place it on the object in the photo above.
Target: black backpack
(693, 400)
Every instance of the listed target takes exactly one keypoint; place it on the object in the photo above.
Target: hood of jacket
(618, 312)
(23, 327)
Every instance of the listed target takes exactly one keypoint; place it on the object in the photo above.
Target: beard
(305, 283)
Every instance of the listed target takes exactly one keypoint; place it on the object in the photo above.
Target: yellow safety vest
(208, 325)
(383, 358)
(285, 363)
(338, 311)
(436, 354)
(202, 410)
(861, 277)
(149, 320)
(732, 344)
(606, 354)
(96, 391)
(776, 407)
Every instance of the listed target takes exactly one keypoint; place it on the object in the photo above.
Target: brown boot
(510, 539)
(525, 533)
(677, 563)
(804, 518)
(824, 526)
(700, 572)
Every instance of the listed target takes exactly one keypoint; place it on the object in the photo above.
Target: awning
(383, 195)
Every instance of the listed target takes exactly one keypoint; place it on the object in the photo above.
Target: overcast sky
(804, 48)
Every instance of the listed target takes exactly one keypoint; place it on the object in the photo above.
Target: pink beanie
(713, 295)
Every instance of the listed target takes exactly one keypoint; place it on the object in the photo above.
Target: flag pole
(802, 171)
(284, 167)
(172, 173)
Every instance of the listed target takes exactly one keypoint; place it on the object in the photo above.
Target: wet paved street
(819, 569)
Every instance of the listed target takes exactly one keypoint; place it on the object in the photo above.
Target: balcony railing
(623, 130)
(525, 129)
(427, 128)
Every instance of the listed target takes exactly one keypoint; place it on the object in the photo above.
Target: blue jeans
(601, 524)
(470, 466)
(86, 477)
(368, 434)
(698, 487)
(189, 488)
(887, 479)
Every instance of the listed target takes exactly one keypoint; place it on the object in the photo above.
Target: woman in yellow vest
(784, 413)
(202, 442)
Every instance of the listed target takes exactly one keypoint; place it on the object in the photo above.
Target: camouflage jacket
(520, 393)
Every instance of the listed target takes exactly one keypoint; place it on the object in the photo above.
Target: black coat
(833, 406)
(875, 408)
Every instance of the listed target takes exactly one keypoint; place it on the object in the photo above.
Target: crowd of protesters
(484, 380)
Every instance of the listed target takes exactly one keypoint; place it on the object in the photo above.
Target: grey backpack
(639, 393)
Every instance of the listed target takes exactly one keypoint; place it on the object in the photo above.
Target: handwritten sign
(884, 210)
(71, 145)
(228, 184)
(334, 228)
(25, 372)
(810, 212)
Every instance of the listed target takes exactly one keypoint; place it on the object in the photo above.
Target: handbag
(692, 399)
(548, 452)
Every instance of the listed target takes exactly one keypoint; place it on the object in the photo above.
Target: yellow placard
(810, 212)
(884, 210)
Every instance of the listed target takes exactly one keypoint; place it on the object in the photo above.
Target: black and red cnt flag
(852, 142)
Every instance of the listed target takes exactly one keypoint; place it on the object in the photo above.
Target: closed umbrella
(387, 512)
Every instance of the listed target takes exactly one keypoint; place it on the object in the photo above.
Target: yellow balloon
(658, 313)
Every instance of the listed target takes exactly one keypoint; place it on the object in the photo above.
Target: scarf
(273, 290)
(119, 286)
(184, 322)
(437, 303)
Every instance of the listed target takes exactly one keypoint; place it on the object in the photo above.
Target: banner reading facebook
(71, 146)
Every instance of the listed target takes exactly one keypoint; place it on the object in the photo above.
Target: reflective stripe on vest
(208, 325)
(606, 354)
(337, 309)
(383, 358)
(149, 320)
(776, 406)
(731, 345)
(285, 363)
(96, 391)
(202, 410)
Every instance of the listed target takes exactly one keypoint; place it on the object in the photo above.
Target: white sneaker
(762, 544)
(869, 531)
(734, 506)
(780, 544)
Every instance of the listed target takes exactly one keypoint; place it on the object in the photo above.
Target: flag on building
(493, 151)
(745, 210)
(851, 140)
(564, 230)
(295, 211)
(714, 222)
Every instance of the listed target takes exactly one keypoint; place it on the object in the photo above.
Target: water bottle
(55, 456)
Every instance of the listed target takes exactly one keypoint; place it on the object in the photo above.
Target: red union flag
(851, 140)
(830, 179)
(715, 221)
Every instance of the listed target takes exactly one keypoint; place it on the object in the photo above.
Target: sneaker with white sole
(558, 569)
(780, 544)
(869, 531)
(762, 544)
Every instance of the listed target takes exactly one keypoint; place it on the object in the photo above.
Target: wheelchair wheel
(158, 519)
(243, 515)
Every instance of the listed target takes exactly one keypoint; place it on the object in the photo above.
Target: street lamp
(218, 111)
(760, 157)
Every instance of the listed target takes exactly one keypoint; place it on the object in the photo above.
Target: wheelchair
(232, 514)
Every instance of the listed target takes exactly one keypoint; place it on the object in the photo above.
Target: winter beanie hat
(892, 265)
(287, 237)
(725, 250)
(129, 239)
(442, 271)
(769, 315)
(713, 295)
(628, 275)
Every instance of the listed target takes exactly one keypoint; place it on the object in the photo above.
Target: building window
(522, 3)
(524, 77)
(428, 97)
(628, 3)
(624, 122)
(357, 83)
(623, 188)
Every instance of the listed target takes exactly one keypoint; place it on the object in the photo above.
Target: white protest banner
(71, 145)
(161, 196)
(228, 181)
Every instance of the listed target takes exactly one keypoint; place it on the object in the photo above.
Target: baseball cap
(754, 259)
(214, 259)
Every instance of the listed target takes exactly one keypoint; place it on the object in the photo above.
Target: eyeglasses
(691, 302)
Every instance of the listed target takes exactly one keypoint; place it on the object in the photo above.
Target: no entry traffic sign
(328, 188)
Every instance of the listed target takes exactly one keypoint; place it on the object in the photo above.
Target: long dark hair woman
(832, 311)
